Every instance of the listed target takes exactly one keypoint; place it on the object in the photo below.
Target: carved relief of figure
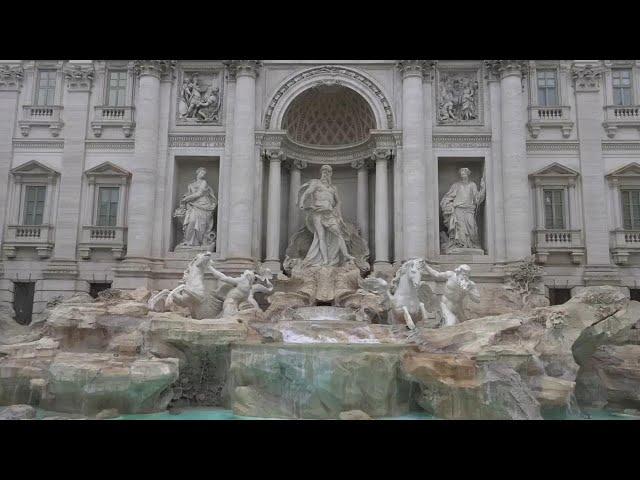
(457, 288)
(458, 98)
(196, 209)
(199, 103)
(459, 206)
(240, 295)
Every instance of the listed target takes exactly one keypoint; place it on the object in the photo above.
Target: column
(294, 212)
(362, 204)
(514, 160)
(381, 209)
(243, 164)
(144, 171)
(10, 85)
(589, 108)
(272, 261)
(414, 192)
(79, 79)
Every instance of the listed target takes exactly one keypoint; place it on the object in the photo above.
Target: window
(554, 209)
(117, 89)
(547, 88)
(622, 87)
(558, 296)
(46, 87)
(631, 209)
(34, 204)
(108, 206)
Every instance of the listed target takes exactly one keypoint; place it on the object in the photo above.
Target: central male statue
(326, 239)
(320, 201)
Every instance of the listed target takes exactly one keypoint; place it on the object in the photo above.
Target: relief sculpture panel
(458, 97)
(200, 98)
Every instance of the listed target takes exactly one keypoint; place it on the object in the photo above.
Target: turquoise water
(222, 414)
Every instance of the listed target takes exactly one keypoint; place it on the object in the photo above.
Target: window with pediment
(624, 200)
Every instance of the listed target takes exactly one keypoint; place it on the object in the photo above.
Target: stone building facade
(95, 156)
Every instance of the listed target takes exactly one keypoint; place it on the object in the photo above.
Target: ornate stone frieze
(333, 72)
(79, 76)
(274, 155)
(163, 69)
(38, 145)
(504, 68)
(419, 68)
(11, 77)
(552, 146)
(381, 154)
(329, 156)
(108, 145)
(620, 146)
(459, 97)
(462, 141)
(586, 78)
(210, 141)
(200, 98)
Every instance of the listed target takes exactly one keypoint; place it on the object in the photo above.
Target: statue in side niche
(326, 239)
(459, 208)
(196, 210)
(457, 288)
(407, 295)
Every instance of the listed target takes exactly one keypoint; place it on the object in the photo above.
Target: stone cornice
(417, 68)
(586, 78)
(462, 141)
(505, 68)
(79, 77)
(109, 145)
(11, 77)
(162, 69)
(191, 140)
(38, 144)
(552, 146)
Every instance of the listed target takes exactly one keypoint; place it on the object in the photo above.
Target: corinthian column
(144, 179)
(294, 212)
(381, 157)
(272, 261)
(514, 159)
(243, 163)
(414, 192)
(362, 204)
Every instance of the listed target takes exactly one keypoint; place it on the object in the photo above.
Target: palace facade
(96, 156)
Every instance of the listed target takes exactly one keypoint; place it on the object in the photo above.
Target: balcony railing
(623, 243)
(113, 116)
(617, 116)
(43, 115)
(555, 116)
(39, 237)
(99, 237)
(558, 241)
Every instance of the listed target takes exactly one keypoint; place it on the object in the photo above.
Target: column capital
(416, 68)
(381, 154)
(358, 164)
(586, 78)
(239, 68)
(79, 77)
(274, 155)
(11, 77)
(162, 69)
(505, 68)
(300, 164)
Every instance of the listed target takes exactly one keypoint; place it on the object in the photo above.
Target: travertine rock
(354, 415)
(497, 300)
(107, 413)
(18, 412)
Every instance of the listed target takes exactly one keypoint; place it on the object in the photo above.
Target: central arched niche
(329, 116)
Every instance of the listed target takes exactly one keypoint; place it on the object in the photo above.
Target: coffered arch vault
(330, 75)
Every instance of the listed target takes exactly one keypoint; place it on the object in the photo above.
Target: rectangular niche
(448, 175)
(184, 174)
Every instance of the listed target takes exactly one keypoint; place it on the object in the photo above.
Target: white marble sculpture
(407, 295)
(458, 98)
(198, 103)
(196, 210)
(457, 288)
(224, 298)
(326, 239)
(459, 209)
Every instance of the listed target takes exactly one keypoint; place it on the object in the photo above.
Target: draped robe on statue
(459, 211)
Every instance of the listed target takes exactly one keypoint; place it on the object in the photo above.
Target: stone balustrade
(623, 244)
(102, 237)
(113, 116)
(617, 116)
(39, 237)
(43, 115)
(558, 241)
(552, 116)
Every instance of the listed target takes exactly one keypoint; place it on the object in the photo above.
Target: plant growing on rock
(524, 278)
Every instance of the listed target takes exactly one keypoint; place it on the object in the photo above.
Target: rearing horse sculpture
(407, 294)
